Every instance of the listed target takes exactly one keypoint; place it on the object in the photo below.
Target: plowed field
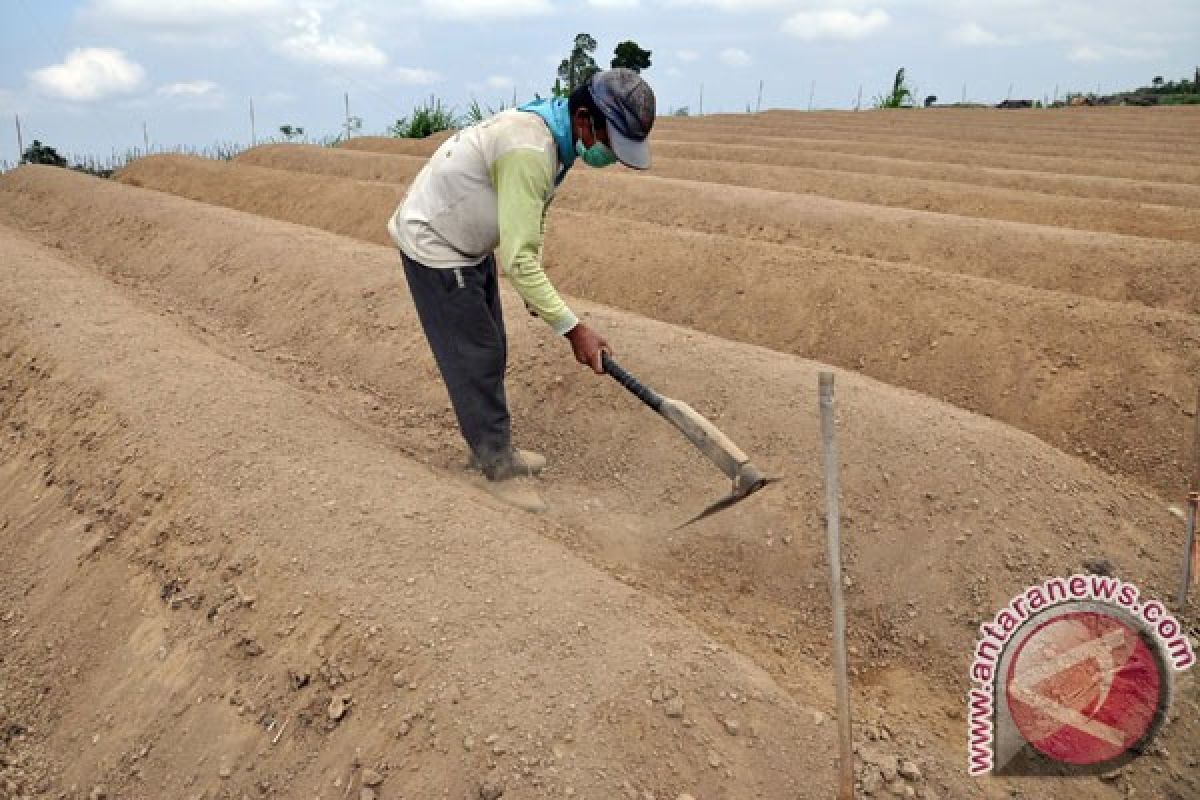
(244, 559)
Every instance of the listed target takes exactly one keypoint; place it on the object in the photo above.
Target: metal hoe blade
(748, 481)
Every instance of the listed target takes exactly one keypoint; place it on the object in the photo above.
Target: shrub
(426, 120)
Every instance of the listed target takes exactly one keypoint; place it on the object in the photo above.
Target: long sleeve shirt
(487, 188)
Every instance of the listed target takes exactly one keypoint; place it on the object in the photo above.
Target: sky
(98, 76)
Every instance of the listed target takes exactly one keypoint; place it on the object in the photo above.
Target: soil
(245, 560)
(1063, 367)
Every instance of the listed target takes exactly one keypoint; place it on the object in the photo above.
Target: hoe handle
(643, 392)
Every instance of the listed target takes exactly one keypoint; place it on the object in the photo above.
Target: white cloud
(90, 73)
(730, 5)
(972, 34)
(348, 48)
(674, 72)
(616, 4)
(687, 55)
(1095, 53)
(414, 76)
(473, 10)
(499, 82)
(836, 24)
(734, 57)
(179, 15)
(188, 89)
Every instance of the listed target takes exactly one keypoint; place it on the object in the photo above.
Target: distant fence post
(701, 100)
(758, 105)
(20, 139)
(858, 104)
(347, 98)
(253, 133)
(812, 91)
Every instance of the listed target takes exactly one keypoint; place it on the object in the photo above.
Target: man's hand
(588, 345)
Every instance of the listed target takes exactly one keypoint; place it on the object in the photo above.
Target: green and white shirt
(487, 188)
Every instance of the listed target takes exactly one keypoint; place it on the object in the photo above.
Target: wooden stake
(858, 104)
(758, 105)
(834, 547)
(1196, 445)
(812, 90)
(145, 139)
(1190, 570)
(1191, 555)
(20, 140)
(347, 98)
(253, 134)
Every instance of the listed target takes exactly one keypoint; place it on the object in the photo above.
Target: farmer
(487, 188)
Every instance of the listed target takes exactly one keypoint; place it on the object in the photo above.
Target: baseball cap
(627, 103)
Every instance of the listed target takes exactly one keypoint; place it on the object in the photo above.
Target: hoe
(715, 445)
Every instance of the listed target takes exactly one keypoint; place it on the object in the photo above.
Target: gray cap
(627, 103)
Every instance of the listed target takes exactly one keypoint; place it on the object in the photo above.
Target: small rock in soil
(338, 705)
(371, 778)
(491, 791)
(674, 708)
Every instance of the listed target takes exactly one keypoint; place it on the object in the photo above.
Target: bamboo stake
(145, 139)
(20, 140)
(346, 96)
(1196, 445)
(858, 103)
(758, 105)
(833, 544)
(1191, 555)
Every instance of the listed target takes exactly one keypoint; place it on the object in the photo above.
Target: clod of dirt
(909, 771)
(339, 704)
(489, 790)
(674, 707)
(1099, 566)
(371, 778)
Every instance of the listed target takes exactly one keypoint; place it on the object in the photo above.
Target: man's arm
(523, 178)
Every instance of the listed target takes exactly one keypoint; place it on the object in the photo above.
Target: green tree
(627, 54)
(291, 132)
(575, 70)
(899, 97)
(38, 153)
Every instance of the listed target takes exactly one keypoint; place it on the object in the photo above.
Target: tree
(38, 153)
(291, 132)
(900, 95)
(1158, 81)
(575, 70)
(627, 54)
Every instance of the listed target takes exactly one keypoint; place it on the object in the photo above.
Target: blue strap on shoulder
(558, 119)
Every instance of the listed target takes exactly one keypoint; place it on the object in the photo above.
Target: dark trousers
(460, 311)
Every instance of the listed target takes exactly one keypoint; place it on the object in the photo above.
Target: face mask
(598, 155)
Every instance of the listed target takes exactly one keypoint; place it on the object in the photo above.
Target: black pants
(460, 311)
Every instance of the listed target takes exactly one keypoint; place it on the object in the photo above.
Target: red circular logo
(1085, 688)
